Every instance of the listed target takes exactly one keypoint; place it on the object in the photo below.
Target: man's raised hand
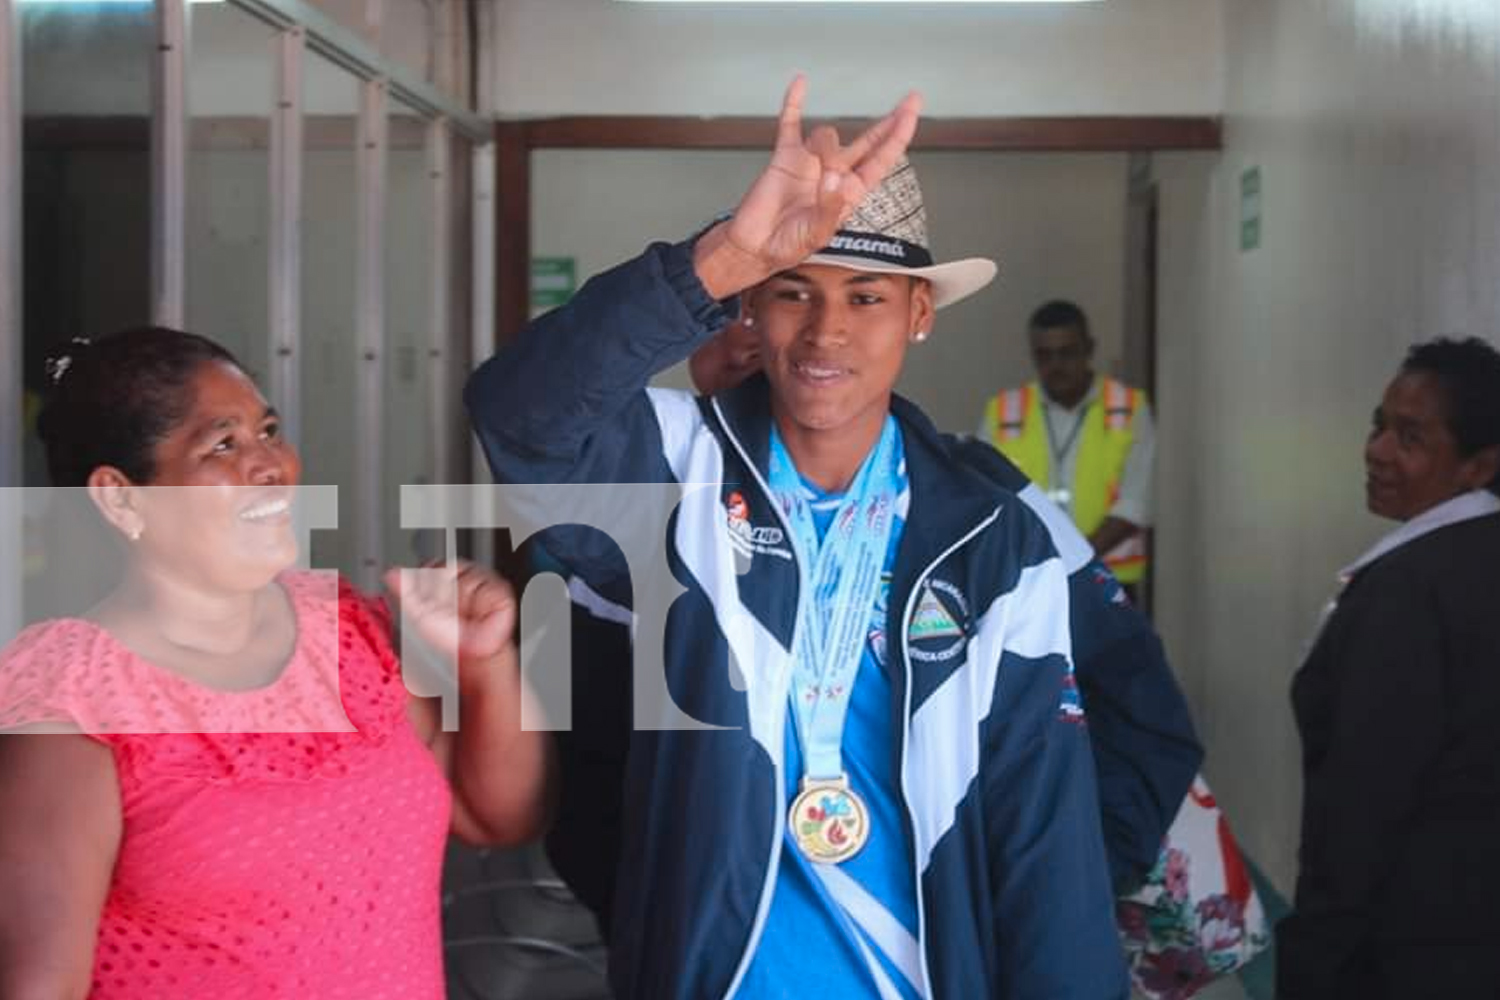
(797, 203)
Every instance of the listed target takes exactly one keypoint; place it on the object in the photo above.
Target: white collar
(1083, 404)
(1464, 507)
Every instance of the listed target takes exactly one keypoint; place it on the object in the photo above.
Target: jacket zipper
(773, 868)
(906, 734)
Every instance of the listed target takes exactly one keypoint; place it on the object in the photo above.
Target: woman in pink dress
(215, 783)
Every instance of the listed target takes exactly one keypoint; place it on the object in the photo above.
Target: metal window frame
(169, 142)
(482, 209)
(302, 27)
(372, 168)
(440, 351)
(355, 54)
(483, 216)
(482, 291)
(11, 288)
(12, 396)
(284, 246)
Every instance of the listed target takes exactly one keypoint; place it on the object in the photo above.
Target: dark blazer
(1398, 706)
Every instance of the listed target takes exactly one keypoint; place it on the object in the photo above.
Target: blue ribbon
(840, 584)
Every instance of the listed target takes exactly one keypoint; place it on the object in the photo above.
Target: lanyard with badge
(840, 582)
(1061, 495)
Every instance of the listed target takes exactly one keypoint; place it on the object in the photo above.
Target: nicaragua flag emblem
(931, 619)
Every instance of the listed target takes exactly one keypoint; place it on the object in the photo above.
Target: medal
(828, 821)
(839, 588)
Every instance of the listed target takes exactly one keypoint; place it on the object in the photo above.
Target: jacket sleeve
(1053, 909)
(1146, 751)
(1383, 689)
(566, 402)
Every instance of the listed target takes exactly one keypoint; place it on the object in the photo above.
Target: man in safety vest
(1087, 441)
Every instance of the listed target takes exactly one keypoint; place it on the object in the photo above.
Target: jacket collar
(949, 496)
(1465, 507)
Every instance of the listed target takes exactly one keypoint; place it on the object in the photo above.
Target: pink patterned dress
(280, 842)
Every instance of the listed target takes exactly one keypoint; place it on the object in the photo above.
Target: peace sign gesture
(810, 186)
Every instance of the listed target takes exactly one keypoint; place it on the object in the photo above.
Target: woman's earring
(919, 336)
(748, 322)
(136, 533)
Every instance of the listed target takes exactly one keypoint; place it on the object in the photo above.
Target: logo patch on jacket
(1071, 707)
(746, 539)
(938, 629)
(1113, 592)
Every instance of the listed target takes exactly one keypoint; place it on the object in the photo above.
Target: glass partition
(86, 167)
(231, 82)
(330, 352)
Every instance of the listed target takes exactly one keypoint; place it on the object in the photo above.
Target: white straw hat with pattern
(888, 233)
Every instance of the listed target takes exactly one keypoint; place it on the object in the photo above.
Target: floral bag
(1197, 917)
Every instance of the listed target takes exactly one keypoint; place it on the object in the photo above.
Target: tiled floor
(1227, 988)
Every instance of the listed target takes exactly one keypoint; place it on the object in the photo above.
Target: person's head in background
(1436, 432)
(148, 408)
(727, 360)
(1062, 349)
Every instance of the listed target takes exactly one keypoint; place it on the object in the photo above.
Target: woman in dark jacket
(1398, 706)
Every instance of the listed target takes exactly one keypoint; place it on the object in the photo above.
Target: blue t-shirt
(808, 947)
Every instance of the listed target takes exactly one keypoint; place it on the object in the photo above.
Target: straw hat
(888, 233)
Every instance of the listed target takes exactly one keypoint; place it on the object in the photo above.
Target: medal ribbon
(840, 581)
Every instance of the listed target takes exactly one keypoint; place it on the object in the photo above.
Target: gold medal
(828, 821)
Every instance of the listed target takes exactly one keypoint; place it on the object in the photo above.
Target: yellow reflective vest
(1014, 424)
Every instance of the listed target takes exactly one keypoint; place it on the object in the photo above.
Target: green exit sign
(1250, 209)
(553, 281)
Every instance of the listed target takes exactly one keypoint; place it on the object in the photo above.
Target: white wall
(1055, 222)
(1376, 125)
(567, 57)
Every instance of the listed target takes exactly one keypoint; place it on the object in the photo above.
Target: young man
(900, 801)
(1145, 748)
(1088, 441)
(1146, 752)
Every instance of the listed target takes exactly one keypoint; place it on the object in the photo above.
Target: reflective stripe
(1119, 405)
(1130, 552)
(1013, 406)
(875, 920)
(1022, 437)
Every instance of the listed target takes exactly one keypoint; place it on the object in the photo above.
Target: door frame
(516, 140)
